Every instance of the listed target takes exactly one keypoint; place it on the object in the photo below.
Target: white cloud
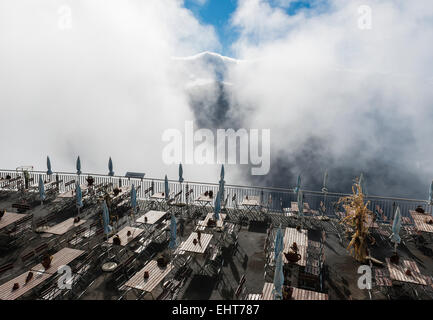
(321, 76)
(199, 2)
(101, 88)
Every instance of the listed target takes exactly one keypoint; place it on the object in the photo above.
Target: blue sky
(218, 13)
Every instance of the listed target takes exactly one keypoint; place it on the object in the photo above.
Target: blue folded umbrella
(396, 225)
(217, 207)
(279, 243)
(173, 229)
(79, 195)
(278, 278)
(133, 199)
(106, 218)
(166, 188)
(41, 189)
(180, 173)
(110, 167)
(298, 185)
(49, 172)
(78, 165)
(300, 203)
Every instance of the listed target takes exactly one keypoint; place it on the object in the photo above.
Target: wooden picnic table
(6, 292)
(152, 216)
(64, 226)
(156, 275)
(301, 238)
(420, 221)
(200, 247)
(10, 218)
(158, 196)
(71, 193)
(397, 272)
(297, 294)
(251, 201)
(60, 258)
(123, 235)
(46, 184)
(210, 215)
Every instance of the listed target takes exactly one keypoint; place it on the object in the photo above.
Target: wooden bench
(21, 207)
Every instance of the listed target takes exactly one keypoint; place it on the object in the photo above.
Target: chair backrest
(93, 224)
(27, 256)
(40, 222)
(6, 267)
(240, 286)
(187, 194)
(80, 231)
(99, 231)
(148, 190)
(21, 206)
(69, 183)
(25, 221)
(51, 217)
(43, 247)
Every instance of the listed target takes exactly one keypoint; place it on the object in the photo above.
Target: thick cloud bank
(338, 96)
(93, 78)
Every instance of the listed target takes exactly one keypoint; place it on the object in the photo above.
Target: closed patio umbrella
(78, 166)
(106, 218)
(396, 225)
(362, 183)
(79, 196)
(298, 185)
(278, 278)
(49, 171)
(430, 197)
(110, 167)
(325, 182)
(180, 173)
(166, 188)
(42, 195)
(222, 183)
(279, 243)
(217, 208)
(300, 204)
(133, 199)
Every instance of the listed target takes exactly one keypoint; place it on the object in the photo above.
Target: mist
(338, 97)
(93, 78)
(106, 78)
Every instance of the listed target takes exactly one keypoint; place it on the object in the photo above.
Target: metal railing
(280, 198)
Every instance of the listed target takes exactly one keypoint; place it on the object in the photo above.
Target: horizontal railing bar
(210, 184)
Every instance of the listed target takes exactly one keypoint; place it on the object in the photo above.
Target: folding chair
(382, 282)
(124, 271)
(241, 288)
(41, 250)
(4, 268)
